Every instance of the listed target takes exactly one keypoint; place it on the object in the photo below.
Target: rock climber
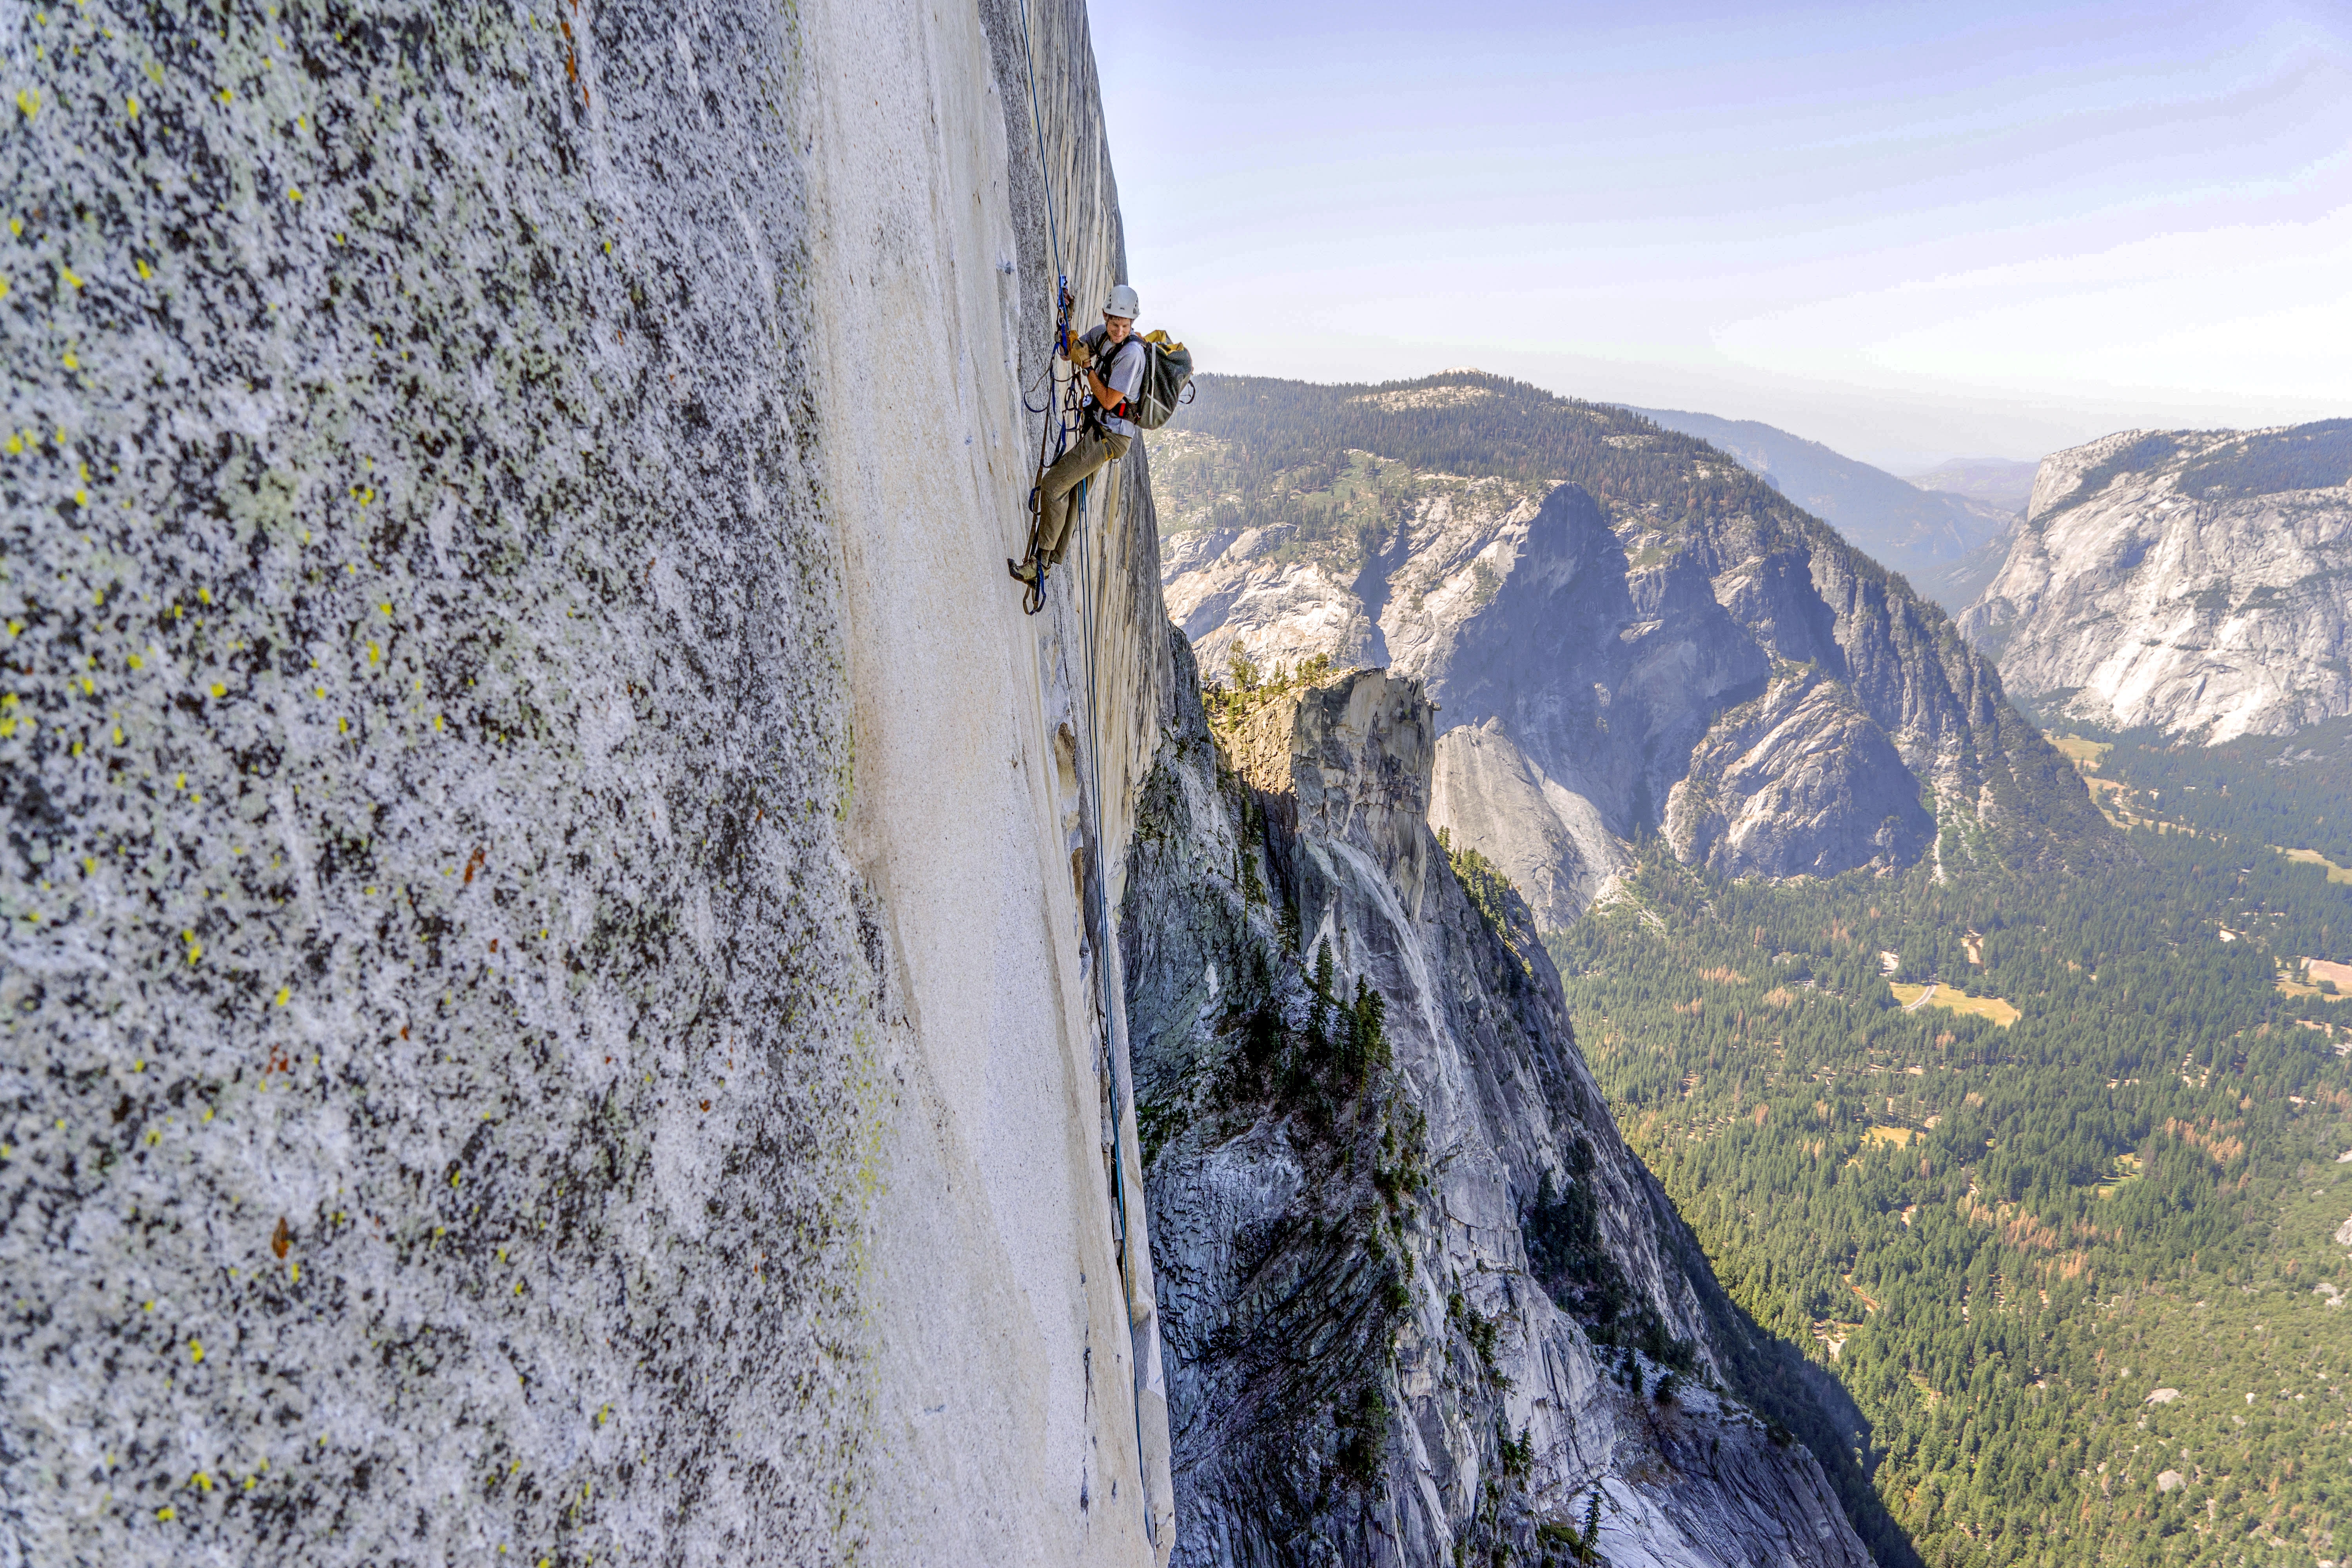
(1111, 358)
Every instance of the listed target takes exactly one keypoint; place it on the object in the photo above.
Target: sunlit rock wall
(2185, 580)
(503, 694)
(1011, 1355)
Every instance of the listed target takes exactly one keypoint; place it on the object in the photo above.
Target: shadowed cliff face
(1712, 682)
(1772, 707)
(2188, 581)
(1407, 1271)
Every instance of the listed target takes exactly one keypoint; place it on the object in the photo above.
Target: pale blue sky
(1910, 231)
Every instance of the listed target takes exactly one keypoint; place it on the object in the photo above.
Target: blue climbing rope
(1037, 123)
(1058, 429)
(1080, 504)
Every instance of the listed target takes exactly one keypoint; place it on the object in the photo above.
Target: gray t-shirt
(1122, 375)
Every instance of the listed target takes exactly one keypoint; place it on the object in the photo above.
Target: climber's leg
(1087, 457)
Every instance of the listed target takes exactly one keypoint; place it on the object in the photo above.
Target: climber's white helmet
(1122, 302)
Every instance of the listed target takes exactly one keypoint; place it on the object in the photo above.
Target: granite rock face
(485, 1076)
(1406, 1282)
(1788, 783)
(2192, 582)
(1739, 677)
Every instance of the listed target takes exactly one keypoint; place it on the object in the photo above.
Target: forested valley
(2293, 792)
(2065, 1226)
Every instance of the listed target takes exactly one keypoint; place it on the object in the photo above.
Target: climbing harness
(1057, 427)
(1073, 412)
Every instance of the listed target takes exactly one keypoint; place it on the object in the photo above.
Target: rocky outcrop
(1418, 1296)
(2190, 582)
(1797, 782)
(557, 1003)
(1723, 667)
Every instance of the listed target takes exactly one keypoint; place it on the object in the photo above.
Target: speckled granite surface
(433, 997)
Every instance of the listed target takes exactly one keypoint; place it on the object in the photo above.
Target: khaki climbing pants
(1087, 457)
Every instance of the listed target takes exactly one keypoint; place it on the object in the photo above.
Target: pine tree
(1318, 1015)
(1368, 1041)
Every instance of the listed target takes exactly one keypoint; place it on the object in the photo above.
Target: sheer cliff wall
(1003, 1327)
(2187, 581)
(549, 986)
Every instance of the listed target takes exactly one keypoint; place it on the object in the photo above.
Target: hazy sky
(1911, 231)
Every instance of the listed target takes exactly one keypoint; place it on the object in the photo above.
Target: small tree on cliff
(1318, 1016)
(1367, 1039)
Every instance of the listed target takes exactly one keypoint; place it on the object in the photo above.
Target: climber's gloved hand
(1081, 355)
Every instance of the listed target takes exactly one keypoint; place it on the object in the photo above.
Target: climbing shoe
(1031, 575)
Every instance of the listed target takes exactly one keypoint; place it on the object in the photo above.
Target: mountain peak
(1938, 540)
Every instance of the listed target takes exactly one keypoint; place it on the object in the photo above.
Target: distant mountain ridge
(2198, 582)
(1626, 631)
(2002, 481)
(1933, 536)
